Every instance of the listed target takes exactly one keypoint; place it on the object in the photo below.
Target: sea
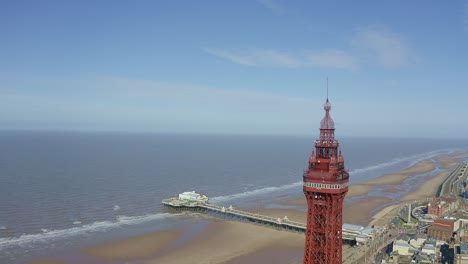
(64, 191)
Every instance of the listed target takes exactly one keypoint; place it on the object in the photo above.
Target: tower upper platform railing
(326, 176)
(327, 143)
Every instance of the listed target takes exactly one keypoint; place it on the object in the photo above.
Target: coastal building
(462, 256)
(463, 233)
(403, 248)
(369, 232)
(401, 259)
(441, 206)
(425, 259)
(353, 229)
(417, 241)
(428, 249)
(442, 229)
(461, 259)
(325, 184)
(193, 196)
(405, 237)
(434, 209)
(461, 221)
(361, 239)
(447, 253)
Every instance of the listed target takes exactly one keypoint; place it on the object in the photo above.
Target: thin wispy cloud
(258, 57)
(232, 56)
(389, 48)
(273, 58)
(332, 58)
(271, 5)
(368, 45)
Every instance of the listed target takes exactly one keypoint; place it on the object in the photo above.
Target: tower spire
(327, 122)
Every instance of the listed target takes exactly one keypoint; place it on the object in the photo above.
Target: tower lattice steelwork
(325, 187)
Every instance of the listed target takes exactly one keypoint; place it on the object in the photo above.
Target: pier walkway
(279, 223)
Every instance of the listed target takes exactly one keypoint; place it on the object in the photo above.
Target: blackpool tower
(325, 187)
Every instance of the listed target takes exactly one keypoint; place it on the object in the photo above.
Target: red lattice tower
(325, 187)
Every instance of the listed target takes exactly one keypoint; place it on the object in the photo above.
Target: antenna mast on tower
(327, 87)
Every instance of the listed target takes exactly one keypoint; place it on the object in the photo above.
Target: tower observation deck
(325, 187)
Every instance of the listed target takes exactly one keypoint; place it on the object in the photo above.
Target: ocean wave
(254, 192)
(133, 220)
(101, 226)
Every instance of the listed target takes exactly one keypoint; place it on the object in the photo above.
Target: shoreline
(228, 241)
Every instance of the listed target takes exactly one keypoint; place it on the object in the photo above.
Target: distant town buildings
(440, 234)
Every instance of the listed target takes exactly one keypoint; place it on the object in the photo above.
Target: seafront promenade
(449, 186)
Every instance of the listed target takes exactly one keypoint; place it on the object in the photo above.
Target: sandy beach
(46, 261)
(135, 247)
(226, 241)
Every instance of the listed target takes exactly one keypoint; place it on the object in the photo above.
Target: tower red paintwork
(325, 187)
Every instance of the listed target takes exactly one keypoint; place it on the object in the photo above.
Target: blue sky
(395, 68)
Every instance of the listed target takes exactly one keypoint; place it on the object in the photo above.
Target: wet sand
(274, 255)
(360, 213)
(397, 178)
(45, 261)
(449, 161)
(427, 189)
(224, 241)
(135, 247)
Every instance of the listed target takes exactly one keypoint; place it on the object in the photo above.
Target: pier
(230, 212)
